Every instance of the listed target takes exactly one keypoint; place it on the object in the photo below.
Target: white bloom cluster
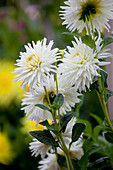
(38, 96)
(50, 162)
(49, 72)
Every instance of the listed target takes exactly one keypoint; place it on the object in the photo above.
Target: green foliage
(44, 137)
(108, 93)
(59, 100)
(50, 127)
(109, 137)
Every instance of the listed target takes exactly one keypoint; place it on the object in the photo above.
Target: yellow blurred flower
(6, 152)
(30, 125)
(9, 90)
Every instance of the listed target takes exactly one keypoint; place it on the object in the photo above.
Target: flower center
(79, 59)
(91, 7)
(52, 95)
(33, 60)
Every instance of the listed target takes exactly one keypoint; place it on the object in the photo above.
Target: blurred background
(23, 21)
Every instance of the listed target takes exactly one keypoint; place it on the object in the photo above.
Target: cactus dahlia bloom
(35, 63)
(38, 96)
(80, 65)
(76, 12)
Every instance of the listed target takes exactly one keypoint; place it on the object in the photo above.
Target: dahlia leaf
(44, 137)
(43, 107)
(86, 39)
(65, 119)
(73, 34)
(77, 130)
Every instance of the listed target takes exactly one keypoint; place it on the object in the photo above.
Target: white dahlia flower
(79, 65)
(37, 148)
(38, 96)
(35, 63)
(76, 12)
(76, 151)
(48, 163)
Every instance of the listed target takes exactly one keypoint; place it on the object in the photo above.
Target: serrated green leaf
(108, 93)
(86, 39)
(77, 130)
(106, 41)
(43, 107)
(109, 137)
(65, 119)
(44, 137)
(73, 34)
(59, 100)
(104, 76)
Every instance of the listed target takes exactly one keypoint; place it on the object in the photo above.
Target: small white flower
(37, 148)
(49, 163)
(76, 151)
(35, 63)
(79, 65)
(75, 13)
(38, 96)
(68, 131)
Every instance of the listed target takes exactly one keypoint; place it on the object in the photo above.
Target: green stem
(106, 112)
(92, 28)
(66, 151)
(87, 26)
(57, 158)
(104, 108)
(57, 94)
(47, 95)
